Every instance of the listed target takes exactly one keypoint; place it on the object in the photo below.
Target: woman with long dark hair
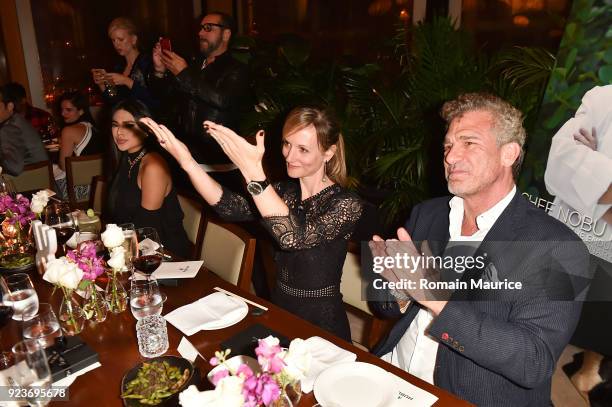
(141, 191)
(311, 217)
(78, 137)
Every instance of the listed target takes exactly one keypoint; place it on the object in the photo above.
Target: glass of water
(152, 336)
(18, 292)
(31, 370)
(44, 326)
(145, 298)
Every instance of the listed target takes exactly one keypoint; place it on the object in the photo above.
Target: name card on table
(178, 269)
(410, 395)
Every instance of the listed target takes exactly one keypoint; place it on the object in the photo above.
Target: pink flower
(268, 352)
(222, 373)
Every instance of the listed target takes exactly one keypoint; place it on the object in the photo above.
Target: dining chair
(353, 288)
(228, 251)
(193, 221)
(97, 193)
(80, 171)
(34, 177)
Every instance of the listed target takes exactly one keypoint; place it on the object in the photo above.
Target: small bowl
(233, 363)
(181, 363)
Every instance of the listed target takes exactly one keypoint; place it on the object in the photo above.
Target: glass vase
(290, 395)
(96, 307)
(116, 296)
(71, 315)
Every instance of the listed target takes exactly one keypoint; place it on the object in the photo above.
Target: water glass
(145, 298)
(18, 292)
(43, 327)
(31, 370)
(152, 336)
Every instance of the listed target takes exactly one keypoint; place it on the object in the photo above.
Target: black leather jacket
(220, 93)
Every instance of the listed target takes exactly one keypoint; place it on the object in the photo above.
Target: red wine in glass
(63, 234)
(147, 264)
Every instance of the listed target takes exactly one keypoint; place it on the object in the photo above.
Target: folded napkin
(68, 380)
(211, 312)
(324, 354)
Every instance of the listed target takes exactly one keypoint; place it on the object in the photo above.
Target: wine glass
(145, 298)
(149, 253)
(31, 370)
(130, 244)
(44, 326)
(60, 217)
(18, 293)
(6, 187)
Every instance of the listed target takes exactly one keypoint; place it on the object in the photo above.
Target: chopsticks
(242, 298)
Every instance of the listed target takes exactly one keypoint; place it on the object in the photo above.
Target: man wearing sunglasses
(214, 86)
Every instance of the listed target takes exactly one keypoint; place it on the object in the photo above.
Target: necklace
(133, 163)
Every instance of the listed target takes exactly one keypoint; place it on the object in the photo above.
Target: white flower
(64, 273)
(112, 236)
(228, 393)
(271, 341)
(117, 258)
(297, 359)
(39, 201)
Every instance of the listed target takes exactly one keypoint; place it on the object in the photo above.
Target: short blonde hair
(123, 23)
(507, 120)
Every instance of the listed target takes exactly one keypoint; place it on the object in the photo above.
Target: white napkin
(211, 312)
(68, 380)
(324, 354)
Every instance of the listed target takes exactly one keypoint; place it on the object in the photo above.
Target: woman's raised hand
(169, 142)
(245, 155)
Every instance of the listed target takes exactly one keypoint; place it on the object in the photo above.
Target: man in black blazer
(492, 348)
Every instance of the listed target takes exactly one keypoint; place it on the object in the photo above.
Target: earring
(324, 172)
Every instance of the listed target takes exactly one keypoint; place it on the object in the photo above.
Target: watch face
(254, 188)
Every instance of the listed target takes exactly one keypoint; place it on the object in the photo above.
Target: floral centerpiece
(116, 296)
(66, 275)
(278, 381)
(39, 202)
(15, 226)
(92, 266)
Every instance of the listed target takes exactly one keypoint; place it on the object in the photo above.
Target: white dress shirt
(416, 351)
(578, 176)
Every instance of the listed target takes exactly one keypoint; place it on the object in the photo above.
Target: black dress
(312, 244)
(124, 206)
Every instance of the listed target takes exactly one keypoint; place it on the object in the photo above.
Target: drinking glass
(145, 298)
(152, 336)
(44, 326)
(6, 187)
(60, 217)
(130, 244)
(149, 255)
(31, 370)
(18, 292)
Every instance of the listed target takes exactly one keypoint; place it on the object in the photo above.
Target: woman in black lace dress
(311, 218)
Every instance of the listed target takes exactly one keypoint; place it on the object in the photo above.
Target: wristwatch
(257, 187)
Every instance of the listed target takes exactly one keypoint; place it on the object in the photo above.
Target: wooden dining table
(116, 344)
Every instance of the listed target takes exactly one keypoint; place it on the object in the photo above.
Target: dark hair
(225, 20)
(8, 95)
(78, 100)
(328, 134)
(139, 110)
(17, 90)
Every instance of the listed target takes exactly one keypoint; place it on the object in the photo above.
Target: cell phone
(165, 43)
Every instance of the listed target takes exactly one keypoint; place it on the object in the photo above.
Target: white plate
(230, 319)
(354, 384)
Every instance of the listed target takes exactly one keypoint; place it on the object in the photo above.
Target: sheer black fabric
(312, 244)
(125, 207)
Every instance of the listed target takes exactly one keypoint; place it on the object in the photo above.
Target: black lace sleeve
(333, 218)
(233, 207)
